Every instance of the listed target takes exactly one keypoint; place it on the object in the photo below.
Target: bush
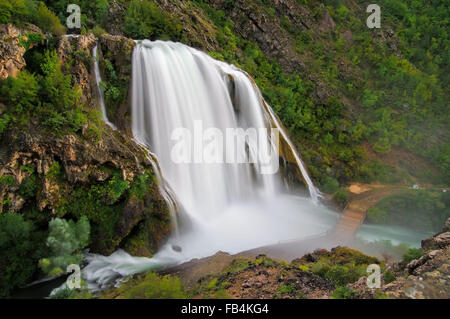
(341, 197)
(411, 254)
(65, 238)
(48, 97)
(98, 31)
(144, 20)
(388, 277)
(330, 185)
(344, 293)
(21, 93)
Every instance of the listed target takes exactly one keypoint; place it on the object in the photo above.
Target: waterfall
(98, 81)
(229, 206)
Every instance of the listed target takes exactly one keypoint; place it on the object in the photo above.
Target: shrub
(341, 197)
(98, 31)
(154, 287)
(411, 254)
(330, 185)
(144, 20)
(388, 277)
(21, 93)
(344, 293)
(342, 275)
(65, 238)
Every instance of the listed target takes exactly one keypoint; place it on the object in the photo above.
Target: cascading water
(98, 81)
(222, 206)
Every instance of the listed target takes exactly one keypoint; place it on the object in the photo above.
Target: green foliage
(29, 187)
(377, 171)
(13, 11)
(411, 254)
(330, 185)
(98, 31)
(7, 180)
(21, 94)
(339, 274)
(388, 277)
(114, 189)
(341, 265)
(286, 288)
(48, 97)
(376, 215)
(238, 265)
(153, 287)
(115, 88)
(418, 209)
(48, 21)
(65, 240)
(341, 197)
(20, 248)
(144, 20)
(31, 38)
(345, 293)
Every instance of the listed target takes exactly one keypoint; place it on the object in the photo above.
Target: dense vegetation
(418, 209)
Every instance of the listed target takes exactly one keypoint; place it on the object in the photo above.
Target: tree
(65, 240)
(20, 249)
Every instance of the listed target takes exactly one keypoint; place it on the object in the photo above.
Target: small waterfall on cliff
(98, 81)
(228, 206)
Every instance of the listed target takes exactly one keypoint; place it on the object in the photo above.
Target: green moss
(153, 286)
(7, 181)
(341, 265)
(344, 293)
(238, 265)
(286, 288)
(411, 254)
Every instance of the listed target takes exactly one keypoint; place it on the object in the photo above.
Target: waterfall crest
(221, 206)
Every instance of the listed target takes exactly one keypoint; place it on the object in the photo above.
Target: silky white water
(230, 207)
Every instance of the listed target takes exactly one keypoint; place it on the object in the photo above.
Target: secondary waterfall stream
(228, 206)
